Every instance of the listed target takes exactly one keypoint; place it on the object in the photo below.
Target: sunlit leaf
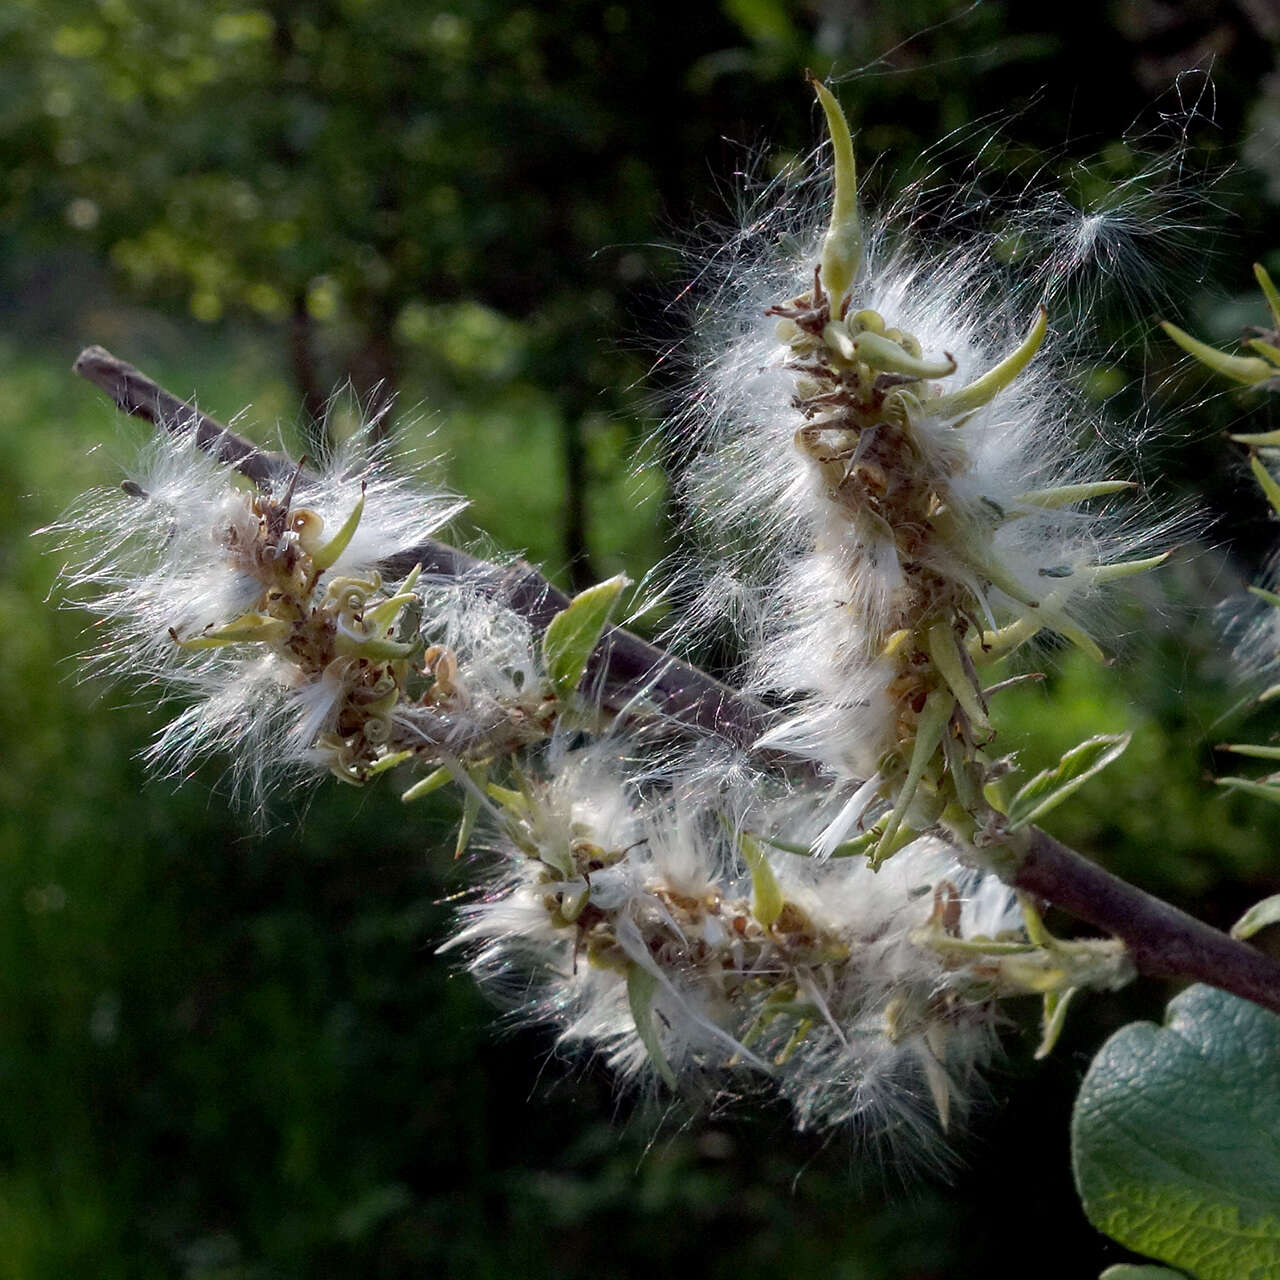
(575, 631)
(1051, 787)
(1174, 1137)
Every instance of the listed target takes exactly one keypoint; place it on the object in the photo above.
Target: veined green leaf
(1051, 787)
(575, 631)
(1174, 1137)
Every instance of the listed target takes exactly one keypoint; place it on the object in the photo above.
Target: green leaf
(1175, 1140)
(575, 631)
(1258, 917)
(641, 988)
(1050, 788)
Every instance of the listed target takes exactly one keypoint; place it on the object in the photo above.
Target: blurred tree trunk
(306, 377)
(373, 368)
(574, 525)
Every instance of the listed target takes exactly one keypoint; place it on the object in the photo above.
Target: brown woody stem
(1163, 941)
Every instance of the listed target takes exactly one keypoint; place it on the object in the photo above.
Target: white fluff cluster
(837, 499)
(629, 918)
(629, 902)
(265, 612)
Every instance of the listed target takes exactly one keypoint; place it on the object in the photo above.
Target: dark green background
(226, 1052)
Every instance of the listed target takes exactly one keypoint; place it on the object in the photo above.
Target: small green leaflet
(642, 986)
(1174, 1138)
(575, 631)
(1049, 789)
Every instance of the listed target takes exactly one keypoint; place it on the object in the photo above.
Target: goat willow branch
(1162, 941)
(629, 665)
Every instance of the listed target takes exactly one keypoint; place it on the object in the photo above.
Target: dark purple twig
(1162, 941)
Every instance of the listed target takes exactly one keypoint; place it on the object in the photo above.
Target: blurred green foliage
(228, 1052)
